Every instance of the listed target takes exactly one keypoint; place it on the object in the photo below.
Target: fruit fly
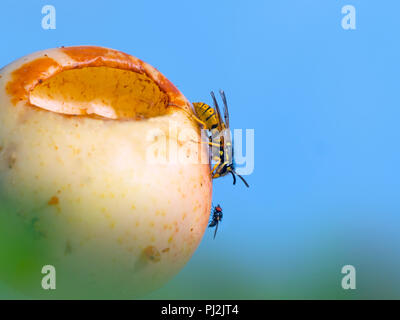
(222, 150)
(216, 218)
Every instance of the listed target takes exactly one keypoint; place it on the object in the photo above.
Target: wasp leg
(215, 174)
(198, 120)
(212, 144)
(192, 116)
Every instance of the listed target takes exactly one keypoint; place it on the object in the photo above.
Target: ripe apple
(100, 175)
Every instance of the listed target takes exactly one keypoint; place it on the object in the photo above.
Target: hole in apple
(101, 91)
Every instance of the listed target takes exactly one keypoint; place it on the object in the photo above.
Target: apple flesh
(78, 126)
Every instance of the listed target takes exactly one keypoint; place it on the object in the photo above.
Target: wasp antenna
(244, 181)
(233, 176)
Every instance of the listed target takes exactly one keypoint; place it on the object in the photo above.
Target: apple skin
(78, 192)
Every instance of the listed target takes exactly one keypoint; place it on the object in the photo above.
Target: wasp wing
(221, 123)
(226, 112)
(226, 117)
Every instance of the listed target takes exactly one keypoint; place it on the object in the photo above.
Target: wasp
(222, 150)
(216, 218)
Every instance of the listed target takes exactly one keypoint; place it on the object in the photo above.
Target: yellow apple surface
(102, 175)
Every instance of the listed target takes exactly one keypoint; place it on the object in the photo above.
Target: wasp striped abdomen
(206, 114)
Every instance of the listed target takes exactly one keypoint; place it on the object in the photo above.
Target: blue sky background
(324, 103)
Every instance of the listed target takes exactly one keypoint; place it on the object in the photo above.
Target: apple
(101, 175)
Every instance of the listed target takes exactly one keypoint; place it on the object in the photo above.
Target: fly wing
(216, 229)
(221, 123)
(212, 223)
(226, 112)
